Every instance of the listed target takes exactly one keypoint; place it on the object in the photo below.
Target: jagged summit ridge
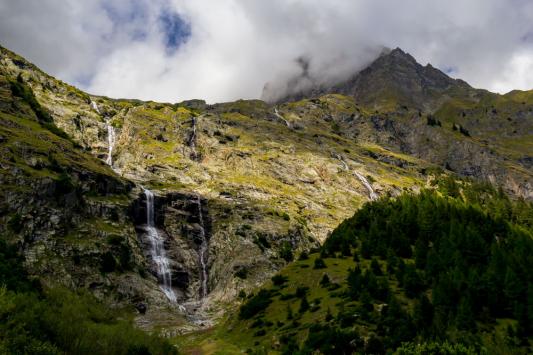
(394, 75)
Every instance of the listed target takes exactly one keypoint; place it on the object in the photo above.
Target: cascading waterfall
(287, 123)
(364, 181)
(111, 137)
(95, 107)
(158, 248)
(110, 143)
(192, 140)
(372, 194)
(341, 159)
(203, 248)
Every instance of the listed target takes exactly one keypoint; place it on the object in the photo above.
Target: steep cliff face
(64, 209)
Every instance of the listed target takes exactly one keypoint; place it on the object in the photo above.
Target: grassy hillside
(447, 266)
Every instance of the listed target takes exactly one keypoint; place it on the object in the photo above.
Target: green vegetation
(445, 271)
(37, 320)
(23, 91)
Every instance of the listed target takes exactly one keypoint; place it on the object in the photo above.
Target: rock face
(180, 223)
(416, 109)
(240, 188)
(394, 77)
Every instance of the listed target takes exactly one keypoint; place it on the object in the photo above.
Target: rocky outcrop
(394, 77)
(178, 218)
(236, 255)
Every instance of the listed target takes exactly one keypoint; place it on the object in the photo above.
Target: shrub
(325, 281)
(262, 242)
(64, 184)
(242, 273)
(108, 263)
(279, 280)
(286, 252)
(304, 305)
(319, 264)
(432, 121)
(301, 291)
(303, 256)
(15, 223)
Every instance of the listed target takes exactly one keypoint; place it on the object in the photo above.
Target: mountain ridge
(368, 84)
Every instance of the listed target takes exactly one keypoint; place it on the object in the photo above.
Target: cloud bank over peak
(172, 50)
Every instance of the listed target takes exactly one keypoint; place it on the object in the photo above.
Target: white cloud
(236, 46)
(516, 74)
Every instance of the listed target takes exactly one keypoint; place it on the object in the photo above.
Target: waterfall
(192, 140)
(373, 195)
(364, 181)
(203, 248)
(94, 106)
(287, 123)
(341, 159)
(111, 137)
(110, 142)
(158, 248)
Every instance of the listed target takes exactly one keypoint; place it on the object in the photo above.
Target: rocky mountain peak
(394, 78)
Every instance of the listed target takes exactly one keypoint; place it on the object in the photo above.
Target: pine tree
(513, 286)
(345, 249)
(366, 301)
(376, 269)
(289, 312)
(325, 281)
(423, 313)
(329, 316)
(412, 283)
(304, 305)
(421, 253)
(465, 317)
(319, 264)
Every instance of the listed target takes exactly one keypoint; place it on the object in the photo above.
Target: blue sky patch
(176, 31)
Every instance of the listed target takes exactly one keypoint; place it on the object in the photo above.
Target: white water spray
(373, 196)
(111, 136)
(110, 143)
(203, 248)
(94, 106)
(192, 140)
(287, 123)
(341, 159)
(371, 193)
(158, 248)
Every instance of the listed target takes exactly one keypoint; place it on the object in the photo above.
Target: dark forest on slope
(448, 268)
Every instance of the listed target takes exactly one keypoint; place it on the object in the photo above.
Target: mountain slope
(266, 191)
(420, 111)
(439, 266)
(241, 188)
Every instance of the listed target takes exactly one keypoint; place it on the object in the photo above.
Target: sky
(223, 50)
